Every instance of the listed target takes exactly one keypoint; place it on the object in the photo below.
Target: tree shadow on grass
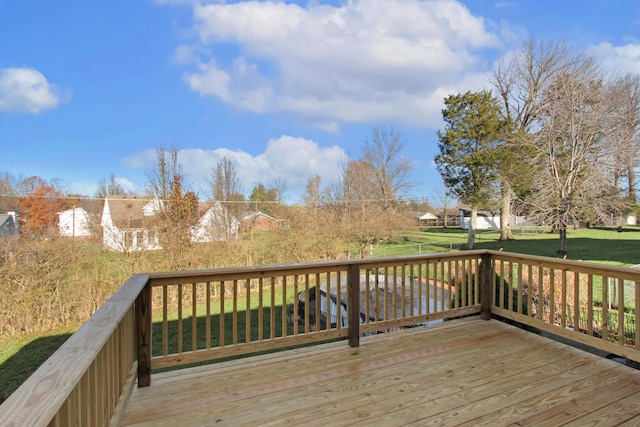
(17, 368)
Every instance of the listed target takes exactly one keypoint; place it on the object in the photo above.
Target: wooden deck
(464, 372)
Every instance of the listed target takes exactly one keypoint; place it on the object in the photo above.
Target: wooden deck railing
(163, 320)
(85, 382)
(592, 304)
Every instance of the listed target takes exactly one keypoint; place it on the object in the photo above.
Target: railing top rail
(239, 273)
(628, 273)
(40, 397)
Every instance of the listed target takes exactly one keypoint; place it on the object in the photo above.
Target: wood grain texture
(462, 372)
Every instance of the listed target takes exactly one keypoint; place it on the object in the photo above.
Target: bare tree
(443, 200)
(226, 189)
(110, 187)
(8, 192)
(225, 182)
(389, 170)
(312, 197)
(569, 146)
(623, 136)
(162, 173)
(520, 82)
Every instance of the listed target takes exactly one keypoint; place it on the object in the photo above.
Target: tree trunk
(505, 214)
(562, 231)
(632, 185)
(471, 241)
(563, 222)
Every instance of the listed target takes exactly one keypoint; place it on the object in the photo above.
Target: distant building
(428, 219)
(9, 225)
(487, 219)
(75, 222)
(131, 223)
(259, 221)
(215, 224)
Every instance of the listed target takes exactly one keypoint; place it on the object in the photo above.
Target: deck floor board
(464, 372)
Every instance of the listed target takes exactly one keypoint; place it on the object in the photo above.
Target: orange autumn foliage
(38, 210)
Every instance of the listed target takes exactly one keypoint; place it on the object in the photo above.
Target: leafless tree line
(573, 143)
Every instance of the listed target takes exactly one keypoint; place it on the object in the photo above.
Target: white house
(428, 219)
(215, 224)
(486, 219)
(75, 222)
(131, 223)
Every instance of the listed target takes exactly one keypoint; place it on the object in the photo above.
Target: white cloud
(25, 90)
(364, 61)
(622, 59)
(287, 158)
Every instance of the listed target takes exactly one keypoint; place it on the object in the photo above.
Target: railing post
(353, 304)
(486, 296)
(143, 326)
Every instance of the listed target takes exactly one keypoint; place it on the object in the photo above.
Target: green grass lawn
(19, 358)
(606, 246)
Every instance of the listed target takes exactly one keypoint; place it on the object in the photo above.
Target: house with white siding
(132, 223)
(75, 222)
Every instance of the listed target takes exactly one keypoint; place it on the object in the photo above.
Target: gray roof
(7, 226)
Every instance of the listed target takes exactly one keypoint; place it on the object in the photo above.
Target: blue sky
(285, 89)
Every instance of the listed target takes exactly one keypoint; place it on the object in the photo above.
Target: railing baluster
(487, 298)
(260, 310)
(272, 311)
(143, 325)
(412, 290)
(208, 316)
(307, 327)
(590, 304)
(165, 321)
(353, 304)
(222, 315)
(318, 300)
(339, 299)
(180, 337)
(247, 332)
(576, 301)
(552, 296)
(621, 311)
(637, 314)
(194, 317)
(605, 308)
(563, 319)
(403, 297)
(283, 311)
(234, 313)
(420, 284)
(367, 297)
(520, 295)
(294, 314)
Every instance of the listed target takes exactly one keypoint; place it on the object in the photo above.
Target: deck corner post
(143, 331)
(353, 304)
(485, 287)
